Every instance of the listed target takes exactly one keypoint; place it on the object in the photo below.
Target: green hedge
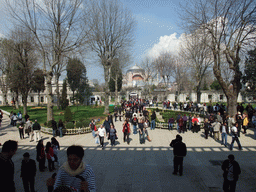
(69, 125)
(79, 124)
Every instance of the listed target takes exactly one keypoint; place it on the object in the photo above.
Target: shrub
(86, 123)
(45, 123)
(68, 115)
(70, 125)
(96, 103)
(79, 124)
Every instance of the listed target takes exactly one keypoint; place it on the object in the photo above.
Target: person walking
(134, 122)
(194, 123)
(254, 124)
(171, 122)
(235, 137)
(40, 155)
(146, 125)
(28, 129)
(216, 128)
(28, 173)
(50, 156)
(112, 135)
(231, 173)
(60, 127)
(245, 122)
(224, 134)
(102, 134)
(206, 128)
(37, 131)
(21, 130)
(54, 127)
(6, 166)
(106, 124)
(153, 120)
(92, 126)
(15, 119)
(141, 121)
(56, 147)
(126, 131)
(179, 152)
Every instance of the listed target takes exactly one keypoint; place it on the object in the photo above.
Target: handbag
(52, 158)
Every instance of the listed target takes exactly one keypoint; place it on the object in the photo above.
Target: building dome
(135, 69)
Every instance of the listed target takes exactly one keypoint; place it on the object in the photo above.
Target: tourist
(40, 155)
(224, 134)
(106, 124)
(134, 122)
(26, 117)
(245, 122)
(254, 124)
(19, 115)
(15, 119)
(126, 131)
(112, 135)
(11, 118)
(216, 129)
(146, 125)
(21, 130)
(141, 120)
(194, 123)
(240, 123)
(1, 116)
(177, 121)
(171, 121)
(102, 134)
(7, 167)
(28, 173)
(185, 119)
(54, 127)
(231, 173)
(93, 127)
(190, 122)
(37, 131)
(56, 147)
(110, 119)
(67, 175)
(180, 122)
(153, 120)
(50, 156)
(60, 127)
(179, 152)
(206, 128)
(28, 129)
(235, 137)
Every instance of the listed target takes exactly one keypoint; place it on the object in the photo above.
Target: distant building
(134, 77)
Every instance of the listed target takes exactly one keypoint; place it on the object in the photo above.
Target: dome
(135, 69)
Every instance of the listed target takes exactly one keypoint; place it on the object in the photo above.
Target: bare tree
(111, 30)
(57, 27)
(198, 56)
(165, 65)
(150, 74)
(230, 29)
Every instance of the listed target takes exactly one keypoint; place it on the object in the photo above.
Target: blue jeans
(142, 136)
(134, 129)
(60, 130)
(178, 127)
(93, 133)
(238, 143)
(224, 136)
(170, 126)
(153, 124)
(254, 124)
(53, 133)
(190, 125)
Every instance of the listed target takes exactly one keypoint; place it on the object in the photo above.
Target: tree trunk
(231, 105)
(5, 99)
(17, 100)
(57, 91)
(106, 76)
(116, 91)
(38, 104)
(25, 101)
(49, 96)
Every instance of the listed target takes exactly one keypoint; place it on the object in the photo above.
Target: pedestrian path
(146, 167)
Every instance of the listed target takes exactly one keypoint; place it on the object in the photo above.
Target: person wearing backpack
(134, 123)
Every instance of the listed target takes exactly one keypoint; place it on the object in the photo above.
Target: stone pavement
(147, 167)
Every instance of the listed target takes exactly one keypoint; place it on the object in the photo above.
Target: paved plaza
(147, 167)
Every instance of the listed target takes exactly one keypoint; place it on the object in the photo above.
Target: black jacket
(28, 169)
(36, 126)
(180, 149)
(236, 169)
(6, 174)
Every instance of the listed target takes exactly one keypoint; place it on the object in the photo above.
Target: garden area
(82, 114)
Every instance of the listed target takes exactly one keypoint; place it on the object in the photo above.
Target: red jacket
(126, 125)
(50, 153)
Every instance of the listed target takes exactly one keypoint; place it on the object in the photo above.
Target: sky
(157, 30)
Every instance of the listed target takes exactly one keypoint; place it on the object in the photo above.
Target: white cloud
(166, 43)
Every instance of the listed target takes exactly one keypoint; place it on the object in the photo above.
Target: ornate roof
(135, 69)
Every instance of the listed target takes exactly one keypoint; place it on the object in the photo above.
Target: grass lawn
(79, 113)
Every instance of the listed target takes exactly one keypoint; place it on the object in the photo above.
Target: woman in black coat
(40, 155)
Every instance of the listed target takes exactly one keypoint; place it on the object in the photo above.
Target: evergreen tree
(38, 82)
(215, 85)
(249, 78)
(63, 100)
(68, 115)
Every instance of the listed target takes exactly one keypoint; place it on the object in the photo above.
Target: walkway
(146, 167)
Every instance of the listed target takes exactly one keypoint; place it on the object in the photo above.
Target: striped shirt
(64, 179)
